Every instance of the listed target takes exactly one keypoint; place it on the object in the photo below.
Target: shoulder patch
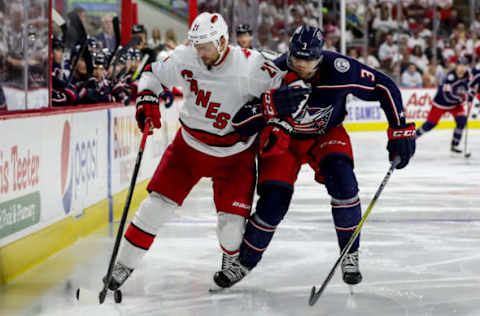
(341, 64)
(477, 67)
(451, 77)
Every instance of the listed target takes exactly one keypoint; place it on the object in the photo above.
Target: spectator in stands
(388, 53)
(429, 77)
(155, 42)
(411, 78)
(419, 59)
(107, 37)
(329, 44)
(264, 39)
(449, 23)
(383, 24)
(246, 12)
(416, 40)
(475, 26)
(170, 39)
(416, 11)
(371, 61)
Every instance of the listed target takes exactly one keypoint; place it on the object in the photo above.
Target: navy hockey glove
(275, 138)
(283, 101)
(167, 97)
(401, 142)
(147, 109)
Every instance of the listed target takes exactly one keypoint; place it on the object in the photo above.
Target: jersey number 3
(367, 74)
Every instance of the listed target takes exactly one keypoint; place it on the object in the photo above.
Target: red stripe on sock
(138, 237)
(228, 252)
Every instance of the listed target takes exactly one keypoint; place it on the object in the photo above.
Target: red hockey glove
(401, 142)
(283, 101)
(275, 138)
(147, 109)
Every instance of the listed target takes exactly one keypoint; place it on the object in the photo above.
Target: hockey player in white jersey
(217, 80)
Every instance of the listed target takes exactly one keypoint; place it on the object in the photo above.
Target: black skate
(350, 269)
(454, 149)
(228, 277)
(120, 274)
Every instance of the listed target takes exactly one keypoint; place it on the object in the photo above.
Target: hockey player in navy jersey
(314, 134)
(450, 97)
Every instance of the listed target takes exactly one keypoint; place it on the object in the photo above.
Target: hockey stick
(465, 153)
(113, 258)
(139, 69)
(315, 295)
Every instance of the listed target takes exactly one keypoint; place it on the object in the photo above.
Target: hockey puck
(467, 155)
(474, 115)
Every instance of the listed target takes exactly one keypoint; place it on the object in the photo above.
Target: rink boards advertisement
(417, 104)
(56, 166)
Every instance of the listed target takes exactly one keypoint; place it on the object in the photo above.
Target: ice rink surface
(419, 251)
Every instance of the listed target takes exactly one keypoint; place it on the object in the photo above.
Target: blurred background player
(207, 144)
(244, 36)
(450, 96)
(314, 134)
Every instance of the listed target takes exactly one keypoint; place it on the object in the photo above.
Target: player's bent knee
(340, 179)
(154, 211)
(273, 204)
(230, 229)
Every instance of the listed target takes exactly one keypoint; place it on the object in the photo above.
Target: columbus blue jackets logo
(66, 172)
(313, 119)
(341, 64)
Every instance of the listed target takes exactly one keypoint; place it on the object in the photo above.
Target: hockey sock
(458, 131)
(346, 216)
(426, 127)
(258, 235)
(154, 211)
(271, 208)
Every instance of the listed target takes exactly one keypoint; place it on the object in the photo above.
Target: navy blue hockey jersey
(452, 91)
(336, 77)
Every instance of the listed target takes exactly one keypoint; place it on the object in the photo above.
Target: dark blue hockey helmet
(306, 43)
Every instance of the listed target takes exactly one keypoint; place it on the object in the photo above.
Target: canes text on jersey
(203, 99)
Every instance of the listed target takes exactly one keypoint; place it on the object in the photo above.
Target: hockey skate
(455, 149)
(350, 269)
(228, 277)
(120, 274)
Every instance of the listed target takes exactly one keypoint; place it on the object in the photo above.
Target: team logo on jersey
(313, 119)
(341, 64)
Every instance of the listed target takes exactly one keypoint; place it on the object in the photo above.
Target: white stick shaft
(57, 18)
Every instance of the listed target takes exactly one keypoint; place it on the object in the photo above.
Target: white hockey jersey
(213, 96)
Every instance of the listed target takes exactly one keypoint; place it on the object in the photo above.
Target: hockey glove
(283, 101)
(401, 142)
(275, 138)
(167, 97)
(147, 109)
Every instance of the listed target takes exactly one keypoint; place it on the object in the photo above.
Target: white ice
(419, 250)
